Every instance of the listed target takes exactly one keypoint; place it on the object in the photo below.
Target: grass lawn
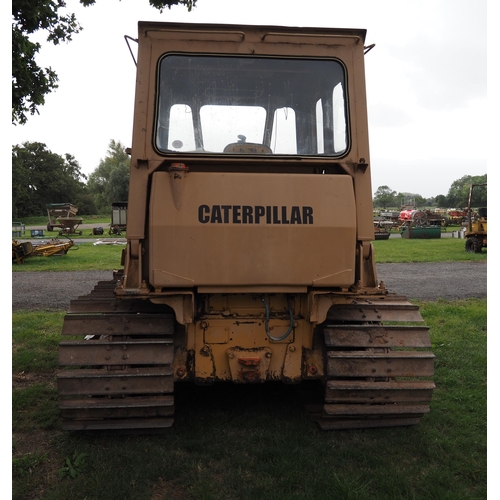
(257, 442)
(80, 257)
(399, 250)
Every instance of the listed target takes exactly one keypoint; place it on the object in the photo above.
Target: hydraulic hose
(283, 337)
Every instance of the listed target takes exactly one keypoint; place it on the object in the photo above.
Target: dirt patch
(167, 489)
(22, 380)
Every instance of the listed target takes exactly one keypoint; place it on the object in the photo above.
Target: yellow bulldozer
(249, 252)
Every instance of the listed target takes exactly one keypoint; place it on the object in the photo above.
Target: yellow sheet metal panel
(223, 229)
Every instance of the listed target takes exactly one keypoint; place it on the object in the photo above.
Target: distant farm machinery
(417, 218)
(118, 217)
(458, 217)
(410, 217)
(22, 250)
(63, 216)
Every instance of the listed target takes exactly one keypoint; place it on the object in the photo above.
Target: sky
(426, 80)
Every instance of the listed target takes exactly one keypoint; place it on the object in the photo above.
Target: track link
(116, 372)
(378, 375)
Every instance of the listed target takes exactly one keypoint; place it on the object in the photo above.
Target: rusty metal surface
(103, 382)
(377, 336)
(120, 374)
(361, 391)
(372, 410)
(95, 408)
(94, 352)
(379, 312)
(378, 375)
(374, 364)
(100, 305)
(118, 324)
(249, 365)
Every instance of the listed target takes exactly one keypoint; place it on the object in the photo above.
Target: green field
(80, 257)
(400, 250)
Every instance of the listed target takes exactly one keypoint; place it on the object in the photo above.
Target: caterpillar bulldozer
(249, 229)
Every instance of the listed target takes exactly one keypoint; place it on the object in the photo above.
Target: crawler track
(117, 374)
(116, 371)
(379, 375)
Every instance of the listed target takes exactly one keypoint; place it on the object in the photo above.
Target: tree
(458, 195)
(85, 203)
(40, 177)
(411, 199)
(384, 197)
(108, 183)
(441, 200)
(30, 83)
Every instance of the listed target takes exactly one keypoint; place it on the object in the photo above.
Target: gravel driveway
(446, 280)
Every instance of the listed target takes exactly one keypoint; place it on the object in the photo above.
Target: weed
(74, 467)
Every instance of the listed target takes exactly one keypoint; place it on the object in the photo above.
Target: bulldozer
(477, 225)
(249, 255)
